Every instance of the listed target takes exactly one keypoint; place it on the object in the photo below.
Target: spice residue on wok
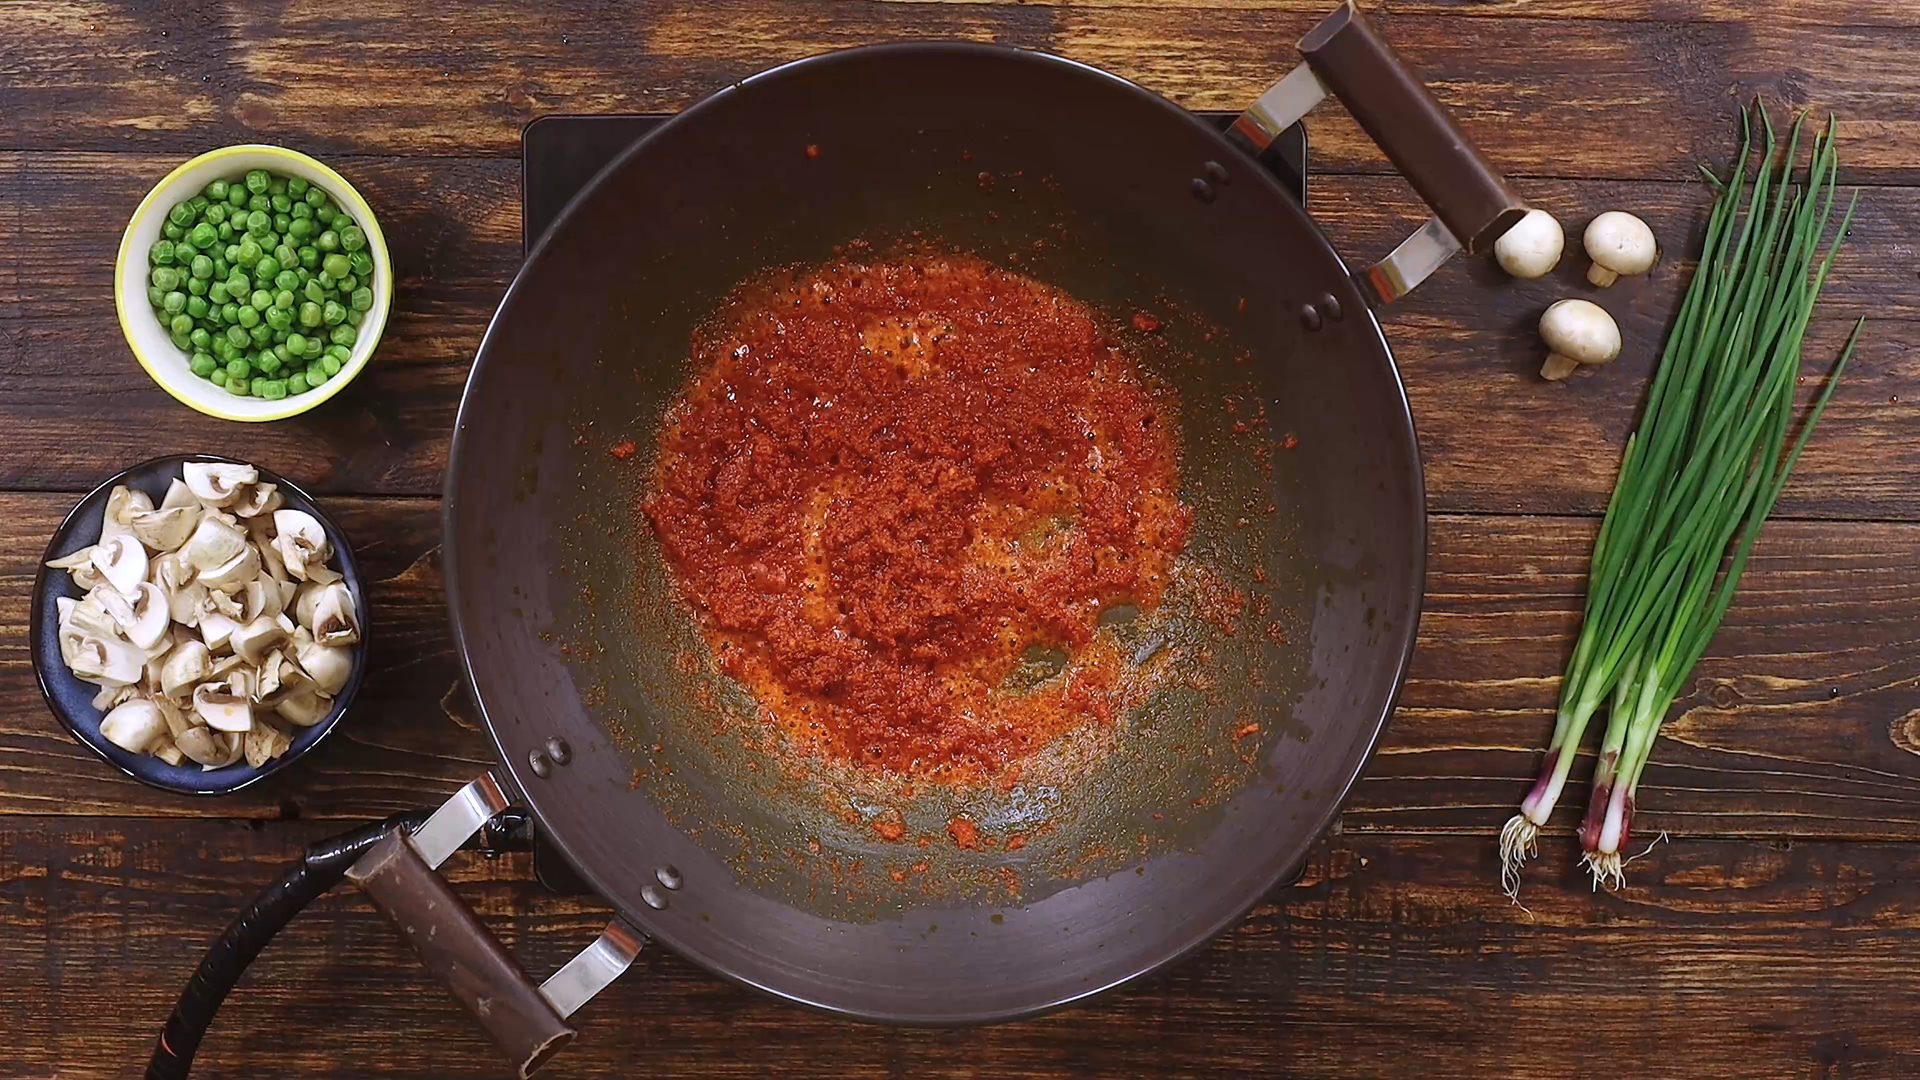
(901, 494)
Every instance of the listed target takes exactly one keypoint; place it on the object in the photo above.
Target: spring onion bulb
(1697, 480)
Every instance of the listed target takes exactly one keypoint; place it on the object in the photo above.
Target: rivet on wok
(655, 899)
(559, 751)
(669, 877)
(1218, 173)
(1330, 304)
(1202, 190)
(1310, 317)
(542, 765)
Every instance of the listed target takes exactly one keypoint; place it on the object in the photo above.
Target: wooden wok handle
(1416, 132)
(465, 955)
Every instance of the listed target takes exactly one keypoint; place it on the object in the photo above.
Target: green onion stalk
(1698, 478)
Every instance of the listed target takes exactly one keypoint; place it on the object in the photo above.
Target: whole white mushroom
(1532, 247)
(1619, 244)
(1577, 332)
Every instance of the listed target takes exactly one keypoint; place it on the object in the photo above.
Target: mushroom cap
(1532, 247)
(1581, 330)
(1620, 242)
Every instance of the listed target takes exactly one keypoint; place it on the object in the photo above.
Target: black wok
(1313, 516)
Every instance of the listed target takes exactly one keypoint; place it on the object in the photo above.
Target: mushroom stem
(1601, 276)
(1557, 367)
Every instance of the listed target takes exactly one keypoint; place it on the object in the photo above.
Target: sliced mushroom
(327, 666)
(254, 500)
(122, 561)
(306, 597)
(305, 707)
(301, 540)
(217, 483)
(266, 688)
(232, 576)
(87, 615)
(102, 659)
(252, 641)
(334, 621)
(166, 751)
(206, 747)
(216, 602)
(184, 605)
(177, 721)
(165, 530)
(215, 541)
(186, 665)
(216, 629)
(143, 614)
(222, 709)
(224, 667)
(111, 695)
(134, 725)
(172, 570)
(243, 682)
(265, 742)
(122, 503)
(74, 561)
(178, 494)
(262, 596)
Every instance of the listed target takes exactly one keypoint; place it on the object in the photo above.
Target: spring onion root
(1697, 480)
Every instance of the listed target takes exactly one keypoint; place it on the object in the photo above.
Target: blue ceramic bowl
(72, 700)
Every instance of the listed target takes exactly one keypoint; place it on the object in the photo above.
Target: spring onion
(1697, 480)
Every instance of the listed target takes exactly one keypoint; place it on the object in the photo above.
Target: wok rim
(689, 945)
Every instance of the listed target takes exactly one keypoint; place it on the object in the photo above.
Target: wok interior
(569, 629)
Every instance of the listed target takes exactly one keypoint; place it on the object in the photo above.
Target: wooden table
(1774, 935)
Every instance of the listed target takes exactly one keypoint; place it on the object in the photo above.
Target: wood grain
(1796, 724)
(1727, 950)
(459, 79)
(1465, 341)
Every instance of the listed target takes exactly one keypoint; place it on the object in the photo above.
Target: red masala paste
(889, 481)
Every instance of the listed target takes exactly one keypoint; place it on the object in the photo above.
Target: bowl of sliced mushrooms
(199, 623)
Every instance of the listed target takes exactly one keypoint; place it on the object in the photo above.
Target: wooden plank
(1748, 960)
(1599, 98)
(1820, 13)
(1495, 438)
(1803, 720)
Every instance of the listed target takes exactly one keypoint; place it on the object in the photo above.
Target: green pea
(304, 276)
(165, 278)
(340, 353)
(316, 198)
(347, 284)
(161, 253)
(334, 313)
(238, 368)
(281, 222)
(316, 374)
(202, 340)
(336, 265)
(352, 239)
(236, 196)
(181, 215)
(258, 181)
(198, 204)
(279, 318)
(284, 254)
(301, 211)
(182, 323)
(354, 317)
(300, 229)
(297, 342)
(200, 267)
(173, 232)
(362, 299)
(259, 386)
(237, 336)
(361, 263)
(203, 236)
(219, 375)
(331, 364)
(297, 382)
(197, 308)
(216, 190)
(276, 389)
(310, 314)
(217, 213)
(281, 203)
(155, 296)
(279, 337)
(225, 231)
(248, 253)
(231, 310)
(314, 345)
(201, 364)
(327, 241)
(309, 256)
(249, 316)
(277, 185)
(258, 223)
(259, 204)
(343, 335)
(286, 279)
(180, 340)
(283, 299)
(261, 334)
(196, 287)
(222, 269)
(213, 318)
(271, 363)
(261, 299)
(175, 303)
(266, 269)
(314, 291)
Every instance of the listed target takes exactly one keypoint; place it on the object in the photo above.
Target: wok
(1309, 522)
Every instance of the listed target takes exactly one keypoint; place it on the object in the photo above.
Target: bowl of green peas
(253, 283)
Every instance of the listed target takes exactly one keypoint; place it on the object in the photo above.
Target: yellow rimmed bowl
(151, 343)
